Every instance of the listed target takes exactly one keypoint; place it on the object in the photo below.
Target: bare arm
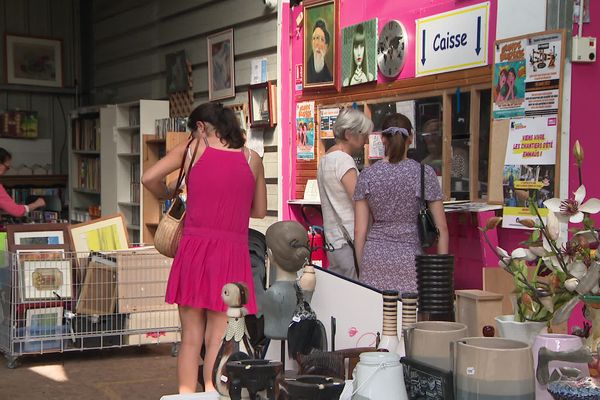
(439, 217)
(361, 224)
(153, 178)
(349, 182)
(259, 203)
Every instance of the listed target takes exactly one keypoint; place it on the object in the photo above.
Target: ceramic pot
(526, 331)
(592, 313)
(555, 342)
(429, 341)
(488, 368)
(378, 375)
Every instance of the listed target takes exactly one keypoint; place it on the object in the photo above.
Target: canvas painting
(320, 43)
(33, 61)
(177, 72)
(359, 53)
(221, 72)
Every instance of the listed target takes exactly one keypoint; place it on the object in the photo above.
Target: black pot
(314, 387)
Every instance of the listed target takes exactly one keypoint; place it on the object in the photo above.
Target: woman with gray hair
(337, 175)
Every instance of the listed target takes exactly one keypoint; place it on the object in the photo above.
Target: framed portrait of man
(320, 44)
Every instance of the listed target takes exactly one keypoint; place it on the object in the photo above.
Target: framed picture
(320, 43)
(44, 275)
(424, 381)
(359, 53)
(102, 234)
(37, 235)
(33, 60)
(262, 101)
(221, 65)
(176, 67)
(44, 319)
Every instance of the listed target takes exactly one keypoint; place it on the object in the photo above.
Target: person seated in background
(7, 204)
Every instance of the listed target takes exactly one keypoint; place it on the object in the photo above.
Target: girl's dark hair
(396, 147)
(359, 38)
(4, 155)
(226, 124)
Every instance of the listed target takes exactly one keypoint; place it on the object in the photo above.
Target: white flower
(571, 284)
(573, 209)
(518, 253)
(577, 268)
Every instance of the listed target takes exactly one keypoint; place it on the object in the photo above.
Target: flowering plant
(565, 268)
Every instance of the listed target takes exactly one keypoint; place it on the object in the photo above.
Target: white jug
(378, 376)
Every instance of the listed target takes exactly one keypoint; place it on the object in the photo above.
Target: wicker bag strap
(191, 161)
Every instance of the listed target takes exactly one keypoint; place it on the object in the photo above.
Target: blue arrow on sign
(478, 48)
(423, 49)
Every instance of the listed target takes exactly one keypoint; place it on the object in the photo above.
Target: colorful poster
(327, 117)
(376, 148)
(531, 141)
(543, 55)
(305, 130)
(509, 80)
(527, 75)
(529, 168)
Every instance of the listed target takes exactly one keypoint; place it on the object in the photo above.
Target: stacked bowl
(435, 286)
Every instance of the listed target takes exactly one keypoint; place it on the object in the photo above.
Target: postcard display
(53, 299)
(526, 87)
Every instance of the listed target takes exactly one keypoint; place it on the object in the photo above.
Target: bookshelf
(84, 162)
(127, 128)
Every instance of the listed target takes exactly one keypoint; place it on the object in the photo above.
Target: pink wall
(352, 12)
(585, 86)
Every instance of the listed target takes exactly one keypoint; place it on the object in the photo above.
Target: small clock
(391, 49)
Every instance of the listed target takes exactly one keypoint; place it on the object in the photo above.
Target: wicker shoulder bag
(170, 228)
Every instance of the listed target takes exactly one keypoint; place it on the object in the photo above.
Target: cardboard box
(154, 327)
(142, 281)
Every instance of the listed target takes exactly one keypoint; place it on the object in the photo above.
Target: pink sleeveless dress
(214, 247)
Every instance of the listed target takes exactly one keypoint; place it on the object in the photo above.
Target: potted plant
(567, 269)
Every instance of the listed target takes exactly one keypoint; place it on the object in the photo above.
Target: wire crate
(55, 301)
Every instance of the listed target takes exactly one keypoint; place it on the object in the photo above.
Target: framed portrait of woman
(359, 53)
(321, 19)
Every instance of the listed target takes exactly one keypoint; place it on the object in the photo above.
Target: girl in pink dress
(226, 187)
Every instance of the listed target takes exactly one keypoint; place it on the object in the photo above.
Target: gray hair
(350, 119)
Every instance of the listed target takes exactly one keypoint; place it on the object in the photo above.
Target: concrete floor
(129, 373)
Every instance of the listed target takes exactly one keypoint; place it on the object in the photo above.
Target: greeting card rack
(52, 300)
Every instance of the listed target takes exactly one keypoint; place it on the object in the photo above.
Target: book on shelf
(164, 125)
(86, 134)
(87, 173)
(134, 116)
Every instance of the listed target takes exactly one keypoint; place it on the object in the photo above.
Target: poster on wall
(527, 75)
(305, 130)
(543, 55)
(327, 117)
(509, 80)
(359, 53)
(529, 169)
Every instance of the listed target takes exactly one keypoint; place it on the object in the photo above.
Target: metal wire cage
(55, 301)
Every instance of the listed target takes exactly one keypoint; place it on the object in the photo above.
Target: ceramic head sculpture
(287, 245)
(288, 250)
(236, 342)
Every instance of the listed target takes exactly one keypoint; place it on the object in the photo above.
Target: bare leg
(215, 329)
(193, 325)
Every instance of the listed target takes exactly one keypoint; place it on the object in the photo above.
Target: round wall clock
(391, 49)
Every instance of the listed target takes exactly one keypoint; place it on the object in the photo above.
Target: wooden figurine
(236, 342)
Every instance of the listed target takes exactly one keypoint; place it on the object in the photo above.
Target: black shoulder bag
(428, 232)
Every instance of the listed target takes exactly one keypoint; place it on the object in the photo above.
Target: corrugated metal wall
(132, 37)
(58, 19)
